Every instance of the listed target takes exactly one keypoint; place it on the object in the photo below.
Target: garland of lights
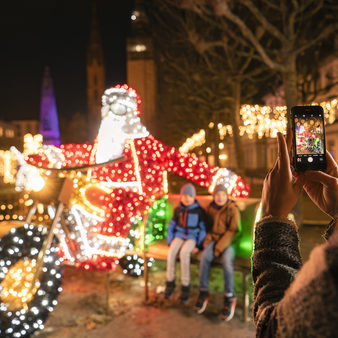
(159, 215)
(92, 249)
(133, 265)
(8, 165)
(158, 219)
(23, 311)
(257, 120)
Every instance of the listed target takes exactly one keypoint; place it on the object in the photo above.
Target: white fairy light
(120, 121)
(258, 120)
(21, 323)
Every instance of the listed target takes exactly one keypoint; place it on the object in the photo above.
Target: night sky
(56, 33)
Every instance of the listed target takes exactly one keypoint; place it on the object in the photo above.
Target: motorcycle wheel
(23, 307)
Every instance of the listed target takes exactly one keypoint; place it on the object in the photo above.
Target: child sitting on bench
(186, 232)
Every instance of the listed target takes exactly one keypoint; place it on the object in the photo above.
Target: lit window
(9, 133)
(139, 48)
(135, 15)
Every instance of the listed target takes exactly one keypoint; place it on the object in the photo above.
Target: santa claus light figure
(109, 197)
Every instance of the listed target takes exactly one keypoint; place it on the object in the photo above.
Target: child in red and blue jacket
(186, 232)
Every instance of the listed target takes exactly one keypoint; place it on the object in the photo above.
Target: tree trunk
(216, 141)
(235, 127)
(291, 99)
(290, 84)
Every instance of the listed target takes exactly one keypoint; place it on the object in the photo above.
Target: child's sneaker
(229, 308)
(202, 302)
(169, 289)
(184, 297)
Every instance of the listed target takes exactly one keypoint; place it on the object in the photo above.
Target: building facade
(24, 127)
(141, 70)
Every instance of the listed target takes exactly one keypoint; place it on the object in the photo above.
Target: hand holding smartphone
(308, 126)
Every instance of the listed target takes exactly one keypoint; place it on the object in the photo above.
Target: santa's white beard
(110, 140)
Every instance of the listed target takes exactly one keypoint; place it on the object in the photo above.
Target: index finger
(283, 154)
(320, 177)
(289, 137)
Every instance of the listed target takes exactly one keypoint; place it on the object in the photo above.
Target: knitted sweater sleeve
(275, 262)
(290, 306)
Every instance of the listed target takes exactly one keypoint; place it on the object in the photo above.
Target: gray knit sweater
(289, 300)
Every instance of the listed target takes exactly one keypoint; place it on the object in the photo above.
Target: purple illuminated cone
(49, 124)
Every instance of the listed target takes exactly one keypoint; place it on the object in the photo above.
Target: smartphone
(308, 125)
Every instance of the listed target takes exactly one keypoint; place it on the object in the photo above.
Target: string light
(134, 265)
(8, 166)
(24, 308)
(194, 141)
(262, 120)
(32, 144)
(258, 120)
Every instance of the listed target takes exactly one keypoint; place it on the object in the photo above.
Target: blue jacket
(188, 223)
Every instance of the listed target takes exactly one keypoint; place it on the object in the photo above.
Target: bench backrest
(248, 208)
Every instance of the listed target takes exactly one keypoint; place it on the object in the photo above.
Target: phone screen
(309, 138)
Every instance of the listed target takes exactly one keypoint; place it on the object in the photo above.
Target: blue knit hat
(220, 187)
(188, 189)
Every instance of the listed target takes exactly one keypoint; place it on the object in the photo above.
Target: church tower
(141, 74)
(49, 123)
(95, 77)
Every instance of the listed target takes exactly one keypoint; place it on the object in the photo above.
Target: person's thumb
(319, 176)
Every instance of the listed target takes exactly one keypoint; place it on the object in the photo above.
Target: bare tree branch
(262, 19)
(323, 34)
(221, 8)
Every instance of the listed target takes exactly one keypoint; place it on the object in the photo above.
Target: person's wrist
(274, 213)
(271, 209)
(217, 252)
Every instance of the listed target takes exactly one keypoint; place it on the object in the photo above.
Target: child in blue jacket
(186, 232)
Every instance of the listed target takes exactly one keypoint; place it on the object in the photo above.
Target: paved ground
(81, 311)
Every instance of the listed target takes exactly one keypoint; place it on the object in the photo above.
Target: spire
(95, 76)
(95, 46)
(49, 124)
